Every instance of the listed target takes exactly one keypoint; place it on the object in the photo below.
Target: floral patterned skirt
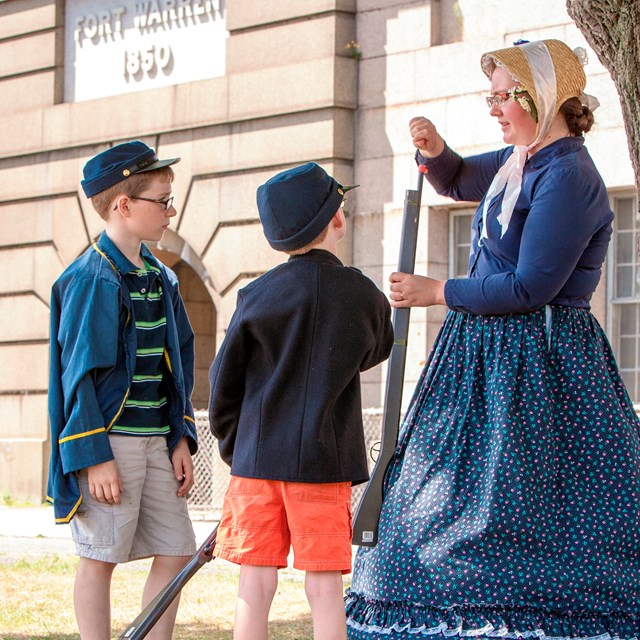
(512, 503)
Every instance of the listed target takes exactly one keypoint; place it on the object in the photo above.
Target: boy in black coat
(285, 404)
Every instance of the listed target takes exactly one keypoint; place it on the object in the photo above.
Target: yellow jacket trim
(126, 395)
(104, 255)
(71, 513)
(81, 435)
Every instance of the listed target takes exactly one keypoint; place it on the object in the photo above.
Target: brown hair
(578, 117)
(307, 247)
(134, 185)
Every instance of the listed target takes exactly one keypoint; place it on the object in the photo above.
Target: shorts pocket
(94, 523)
(320, 493)
(244, 486)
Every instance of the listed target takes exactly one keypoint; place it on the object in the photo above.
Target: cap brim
(159, 165)
(347, 187)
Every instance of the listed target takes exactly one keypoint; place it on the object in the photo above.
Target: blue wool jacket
(553, 250)
(92, 362)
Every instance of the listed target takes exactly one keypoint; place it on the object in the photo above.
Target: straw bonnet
(570, 77)
(551, 73)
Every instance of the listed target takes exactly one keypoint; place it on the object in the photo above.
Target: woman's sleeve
(463, 179)
(563, 218)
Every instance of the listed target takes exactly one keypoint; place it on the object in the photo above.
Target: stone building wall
(289, 95)
(292, 91)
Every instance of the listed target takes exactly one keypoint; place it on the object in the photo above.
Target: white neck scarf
(510, 173)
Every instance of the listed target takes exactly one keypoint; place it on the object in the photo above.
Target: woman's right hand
(425, 137)
(410, 290)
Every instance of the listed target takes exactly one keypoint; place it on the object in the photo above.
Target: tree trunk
(611, 29)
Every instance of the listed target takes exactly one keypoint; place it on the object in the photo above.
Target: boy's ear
(339, 220)
(122, 205)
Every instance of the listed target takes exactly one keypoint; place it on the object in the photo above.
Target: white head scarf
(509, 176)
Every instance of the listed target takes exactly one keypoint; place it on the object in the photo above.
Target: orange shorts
(262, 519)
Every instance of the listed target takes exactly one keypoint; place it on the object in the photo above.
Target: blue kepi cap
(297, 204)
(119, 162)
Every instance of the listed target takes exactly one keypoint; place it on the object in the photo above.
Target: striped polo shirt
(146, 412)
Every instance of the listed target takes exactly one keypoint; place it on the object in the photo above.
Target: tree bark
(611, 29)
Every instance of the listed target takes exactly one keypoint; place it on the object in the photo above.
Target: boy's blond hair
(134, 185)
(307, 247)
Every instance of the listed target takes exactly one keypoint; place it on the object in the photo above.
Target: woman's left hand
(409, 290)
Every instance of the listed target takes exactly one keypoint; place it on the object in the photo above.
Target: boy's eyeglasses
(165, 203)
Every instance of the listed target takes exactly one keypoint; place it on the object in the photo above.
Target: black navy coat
(285, 386)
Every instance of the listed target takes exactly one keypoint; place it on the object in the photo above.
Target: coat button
(143, 290)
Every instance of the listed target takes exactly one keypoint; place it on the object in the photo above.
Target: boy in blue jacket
(285, 405)
(121, 375)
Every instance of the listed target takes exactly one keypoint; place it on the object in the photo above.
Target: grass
(37, 601)
(8, 501)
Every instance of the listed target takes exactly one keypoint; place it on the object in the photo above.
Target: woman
(512, 502)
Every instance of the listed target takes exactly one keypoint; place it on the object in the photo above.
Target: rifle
(366, 520)
(141, 626)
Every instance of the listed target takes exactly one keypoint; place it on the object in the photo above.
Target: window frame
(453, 213)
(614, 302)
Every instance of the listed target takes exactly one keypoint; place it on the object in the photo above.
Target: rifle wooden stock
(366, 520)
(141, 626)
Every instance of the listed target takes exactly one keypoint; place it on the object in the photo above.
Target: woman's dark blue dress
(512, 504)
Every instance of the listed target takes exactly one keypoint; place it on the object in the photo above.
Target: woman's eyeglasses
(500, 97)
